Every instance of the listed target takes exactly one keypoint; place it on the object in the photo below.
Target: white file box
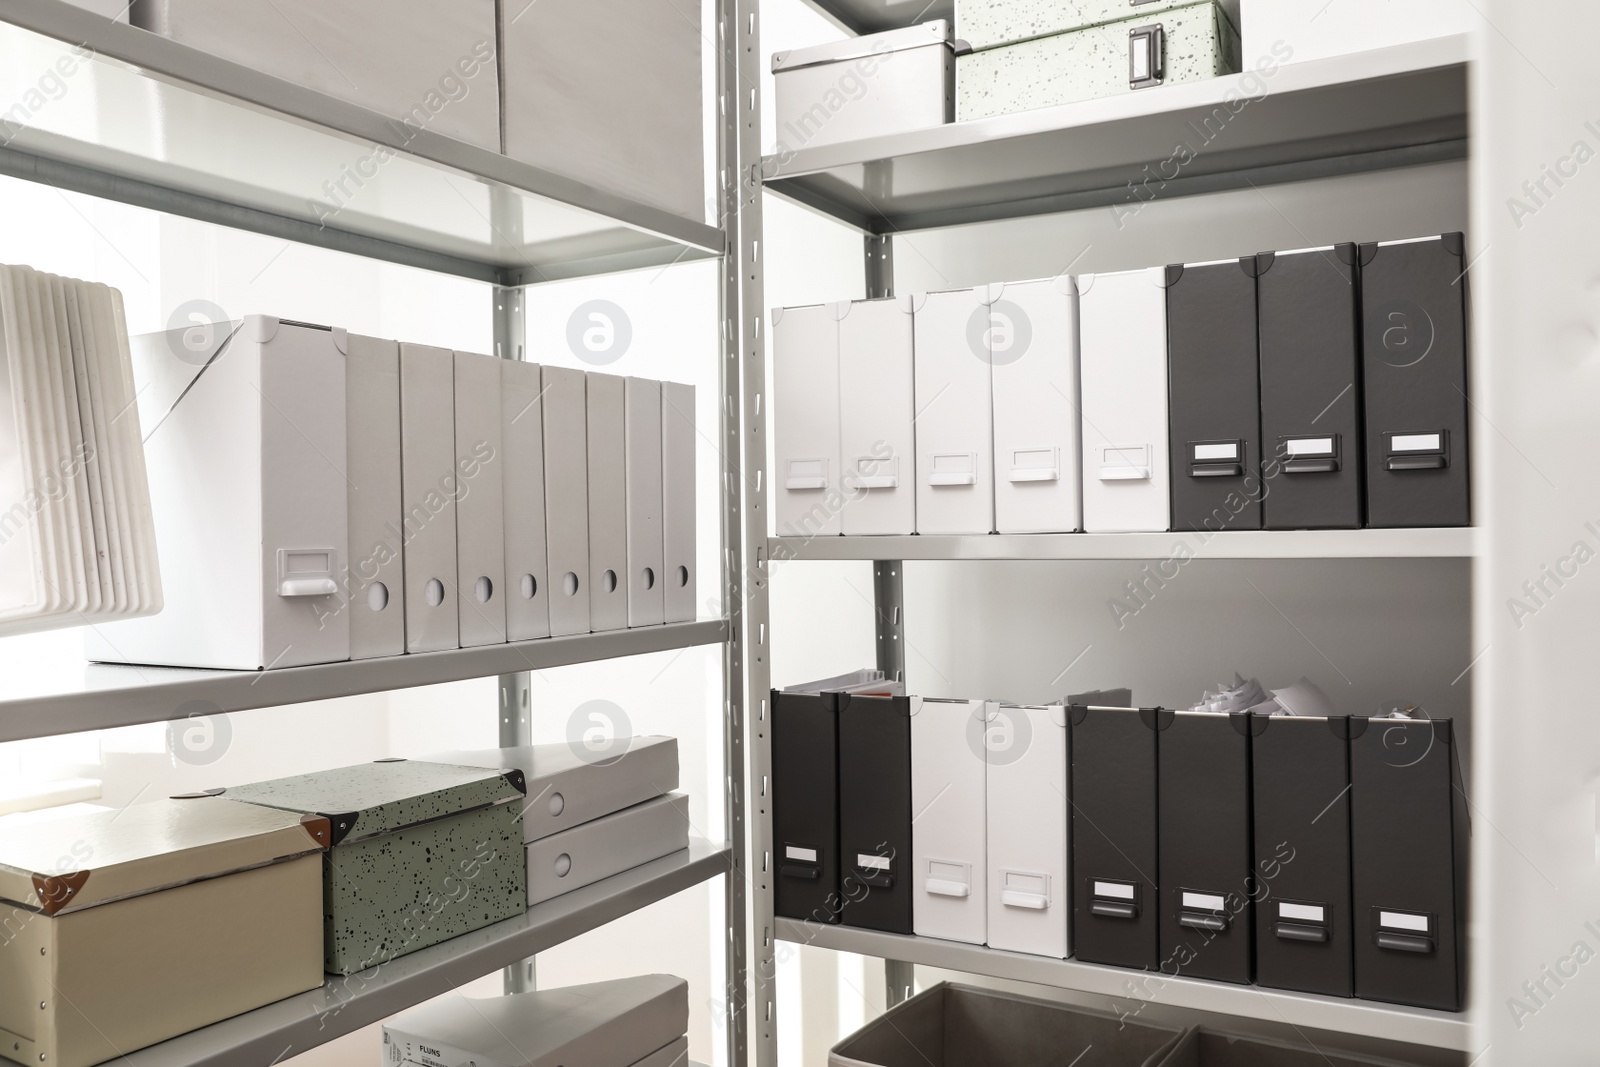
(955, 443)
(949, 835)
(480, 505)
(566, 498)
(808, 494)
(606, 846)
(1033, 356)
(678, 442)
(428, 489)
(1123, 326)
(572, 784)
(522, 486)
(1029, 903)
(428, 66)
(646, 540)
(608, 502)
(245, 448)
(374, 584)
(877, 451)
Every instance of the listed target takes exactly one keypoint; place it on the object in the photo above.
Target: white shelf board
(1419, 1026)
(343, 1005)
(153, 122)
(100, 696)
(1388, 107)
(1229, 544)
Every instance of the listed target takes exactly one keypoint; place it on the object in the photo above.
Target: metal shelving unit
(159, 125)
(346, 1004)
(1416, 1025)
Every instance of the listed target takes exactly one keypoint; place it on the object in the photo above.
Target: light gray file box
(1029, 835)
(984, 24)
(245, 446)
(571, 784)
(807, 490)
(949, 835)
(678, 525)
(620, 1023)
(566, 498)
(527, 596)
(427, 65)
(1033, 366)
(1122, 320)
(1145, 51)
(428, 489)
(868, 86)
(877, 449)
(606, 846)
(631, 125)
(480, 505)
(608, 502)
(374, 584)
(955, 438)
(647, 604)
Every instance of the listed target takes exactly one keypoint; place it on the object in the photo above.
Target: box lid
(378, 798)
(985, 24)
(936, 32)
(70, 864)
(619, 1022)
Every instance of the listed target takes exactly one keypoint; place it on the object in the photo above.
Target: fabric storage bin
(126, 928)
(420, 852)
(958, 1026)
(1290, 31)
(627, 1022)
(609, 94)
(865, 86)
(568, 786)
(428, 65)
(1185, 43)
(1211, 1048)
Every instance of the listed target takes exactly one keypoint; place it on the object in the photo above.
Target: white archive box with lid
(611, 844)
(869, 86)
(77, 540)
(247, 469)
(1123, 330)
(428, 65)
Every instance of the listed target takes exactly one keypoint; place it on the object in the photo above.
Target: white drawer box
(868, 86)
(606, 846)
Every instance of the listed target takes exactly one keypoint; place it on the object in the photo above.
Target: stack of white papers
(76, 541)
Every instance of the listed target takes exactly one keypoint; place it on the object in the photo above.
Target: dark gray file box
(1408, 834)
(1215, 396)
(1113, 783)
(959, 1026)
(1205, 846)
(805, 805)
(1310, 389)
(1300, 768)
(1213, 1048)
(875, 811)
(1414, 313)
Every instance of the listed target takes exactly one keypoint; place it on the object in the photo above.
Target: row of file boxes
(1323, 388)
(125, 928)
(321, 496)
(506, 80)
(1311, 854)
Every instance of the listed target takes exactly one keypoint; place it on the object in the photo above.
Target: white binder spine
(646, 578)
(428, 489)
(522, 486)
(374, 584)
(566, 494)
(678, 441)
(480, 505)
(608, 502)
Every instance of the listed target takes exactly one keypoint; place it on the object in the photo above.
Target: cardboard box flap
(75, 863)
(620, 1021)
(379, 798)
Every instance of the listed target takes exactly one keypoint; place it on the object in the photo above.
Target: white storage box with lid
(1291, 31)
(865, 86)
(984, 24)
(427, 65)
(125, 928)
(627, 1022)
(571, 784)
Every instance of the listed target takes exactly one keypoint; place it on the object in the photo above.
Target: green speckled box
(1197, 41)
(422, 852)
